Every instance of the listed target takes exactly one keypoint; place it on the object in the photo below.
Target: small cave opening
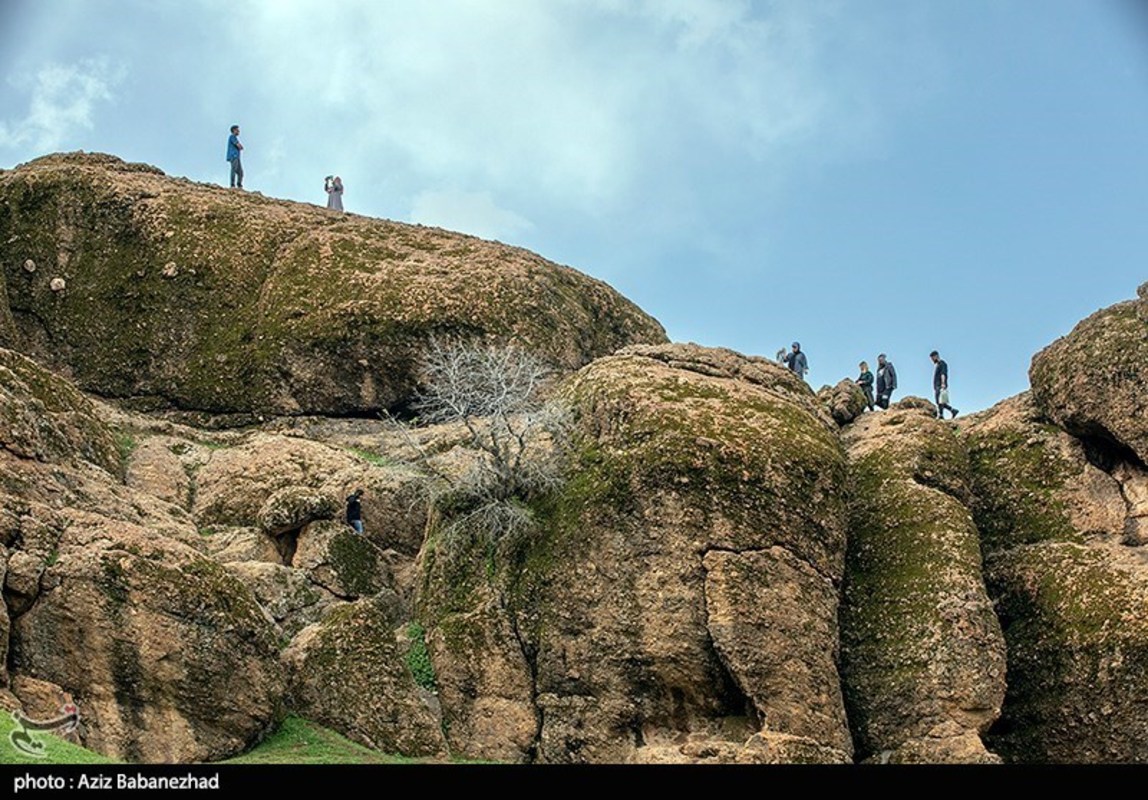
(287, 543)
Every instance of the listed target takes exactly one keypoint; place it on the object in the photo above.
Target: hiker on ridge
(941, 385)
(886, 381)
(865, 381)
(796, 361)
(233, 148)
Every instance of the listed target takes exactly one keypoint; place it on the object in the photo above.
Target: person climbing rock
(355, 510)
(865, 381)
(886, 380)
(941, 385)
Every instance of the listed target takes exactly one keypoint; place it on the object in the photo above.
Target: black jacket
(886, 378)
(354, 509)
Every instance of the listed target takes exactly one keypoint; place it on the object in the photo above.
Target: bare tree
(518, 436)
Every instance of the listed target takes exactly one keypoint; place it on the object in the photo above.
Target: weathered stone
(684, 456)
(341, 561)
(845, 402)
(290, 311)
(46, 418)
(170, 657)
(289, 595)
(349, 673)
(292, 508)
(921, 647)
(1076, 621)
(1092, 382)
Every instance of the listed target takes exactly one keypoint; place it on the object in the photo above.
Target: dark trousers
(883, 398)
(941, 406)
(868, 390)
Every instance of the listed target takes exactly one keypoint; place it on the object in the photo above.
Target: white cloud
(475, 213)
(62, 100)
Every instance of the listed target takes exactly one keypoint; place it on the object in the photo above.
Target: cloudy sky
(860, 175)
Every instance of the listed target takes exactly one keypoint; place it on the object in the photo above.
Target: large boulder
(1093, 383)
(1054, 512)
(701, 479)
(193, 296)
(168, 656)
(349, 672)
(923, 657)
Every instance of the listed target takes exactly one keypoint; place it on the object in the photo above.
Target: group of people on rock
(332, 184)
(886, 380)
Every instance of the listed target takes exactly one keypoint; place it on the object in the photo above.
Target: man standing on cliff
(941, 385)
(233, 148)
(796, 361)
(886, 381)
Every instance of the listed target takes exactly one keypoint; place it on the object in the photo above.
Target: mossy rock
(1032, 482)
(1094, 381)
(199, 298)
(920, 645)
(1076, 622)
(47, 418)
(349, 672)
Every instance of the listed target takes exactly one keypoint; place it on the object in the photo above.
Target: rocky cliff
(729, 568)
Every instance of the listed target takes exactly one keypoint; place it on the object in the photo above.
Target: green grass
(301, 742)
(126, 444)
(296, 742)
(56, 750)
(418, 658)
(372, 458)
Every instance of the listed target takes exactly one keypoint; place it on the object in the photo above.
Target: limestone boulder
(44, 417)
(349, 672)
(168, 656)
(922, 655)
(196, 297)
(1092, 382)
(1069, 586)
(685, 463)
(845, 402)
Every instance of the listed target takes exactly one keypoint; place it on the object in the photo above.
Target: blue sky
(860, 175)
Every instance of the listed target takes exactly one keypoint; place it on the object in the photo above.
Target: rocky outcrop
(923, 657)
(45, 418)
(1092, 382)
(191, 296)
(168, 656)
(629, 608)
(845, 402)
(1072, 597)
(349, 672)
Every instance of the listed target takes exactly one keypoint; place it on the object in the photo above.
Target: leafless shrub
(517, 435)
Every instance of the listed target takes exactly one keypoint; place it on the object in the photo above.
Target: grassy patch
(301, 742)
(377, 459)
(126, 445)
(418, 657)
(56, 750)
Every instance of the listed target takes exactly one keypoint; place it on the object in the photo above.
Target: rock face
(923, 658)
(350, 673)
(629, 612)
(1072, 598)
(1092, 382)
(845, 402)
(731, 570)
(191, 296)
(168, 656)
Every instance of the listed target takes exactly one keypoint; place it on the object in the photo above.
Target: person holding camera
(333, 185)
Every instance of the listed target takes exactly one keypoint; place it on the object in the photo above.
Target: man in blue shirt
(233, 148)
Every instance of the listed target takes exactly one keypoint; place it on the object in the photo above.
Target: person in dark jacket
(355, 510)
(941, 385)
(865, 381)
(796, 361)
(886, 380)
